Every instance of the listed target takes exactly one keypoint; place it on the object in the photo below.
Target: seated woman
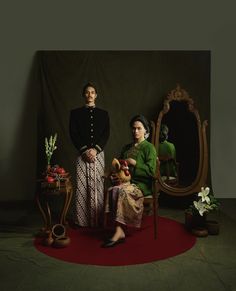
(140, 156)
(166, 154)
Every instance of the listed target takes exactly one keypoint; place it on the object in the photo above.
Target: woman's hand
(115, 179)
(131, 162)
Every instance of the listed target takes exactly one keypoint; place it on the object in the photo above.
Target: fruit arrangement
(55, 173)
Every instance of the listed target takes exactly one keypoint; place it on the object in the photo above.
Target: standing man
(89, 131)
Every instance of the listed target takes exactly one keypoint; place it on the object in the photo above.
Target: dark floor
(209, 265)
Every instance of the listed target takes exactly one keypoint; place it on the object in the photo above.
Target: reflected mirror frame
(180, 95)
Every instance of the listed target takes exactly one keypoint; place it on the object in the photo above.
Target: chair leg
(155, 215)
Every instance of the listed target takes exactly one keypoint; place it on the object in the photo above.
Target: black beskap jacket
(89, 128)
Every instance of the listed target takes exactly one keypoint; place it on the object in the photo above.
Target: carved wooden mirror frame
(181, 95)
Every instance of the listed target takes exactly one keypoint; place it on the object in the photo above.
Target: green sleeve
(167, 148)
(146, 163)
(172, 149)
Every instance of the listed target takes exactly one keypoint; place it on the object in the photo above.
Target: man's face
(90, 95)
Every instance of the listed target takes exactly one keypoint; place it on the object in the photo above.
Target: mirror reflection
(179, 145)
(167, 156)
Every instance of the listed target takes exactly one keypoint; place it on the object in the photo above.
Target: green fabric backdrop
(129, 83)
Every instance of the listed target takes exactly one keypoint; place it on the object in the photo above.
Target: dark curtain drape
(129, 83)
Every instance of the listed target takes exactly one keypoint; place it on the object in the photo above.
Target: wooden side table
(46, 190)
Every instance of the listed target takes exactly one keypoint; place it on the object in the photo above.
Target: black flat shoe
(110, 243)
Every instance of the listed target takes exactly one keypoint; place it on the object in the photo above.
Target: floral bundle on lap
(120, 172)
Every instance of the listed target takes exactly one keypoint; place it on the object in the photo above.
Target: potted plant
(195, 215)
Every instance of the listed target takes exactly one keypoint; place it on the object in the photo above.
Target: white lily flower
(204, 195)
(200, 206)
(205, 203)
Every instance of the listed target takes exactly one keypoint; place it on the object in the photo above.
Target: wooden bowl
(59, 235)
(61, 242)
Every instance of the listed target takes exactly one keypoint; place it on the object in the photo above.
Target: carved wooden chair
(151, 203)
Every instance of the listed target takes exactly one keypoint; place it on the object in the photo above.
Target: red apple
(61, 171)
(50, 179)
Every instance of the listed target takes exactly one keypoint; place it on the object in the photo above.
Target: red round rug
(140, 246)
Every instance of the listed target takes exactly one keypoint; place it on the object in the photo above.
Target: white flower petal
(208, 200)
(201, 212)
(207, 190)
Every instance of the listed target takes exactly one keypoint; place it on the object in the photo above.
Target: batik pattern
(126, 204)
(89, 196)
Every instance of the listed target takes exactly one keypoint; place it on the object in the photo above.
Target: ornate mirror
(181, 144)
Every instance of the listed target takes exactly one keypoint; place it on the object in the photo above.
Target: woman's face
(138, 131)
(90, 96)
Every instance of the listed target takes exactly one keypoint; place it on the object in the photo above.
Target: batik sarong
(126, 204)
(89, 196)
